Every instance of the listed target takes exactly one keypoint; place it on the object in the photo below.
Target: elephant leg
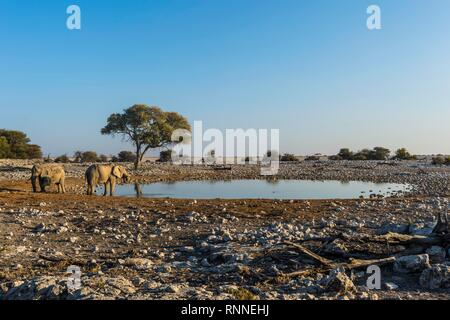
(63, 187)
(41, 185)
(105, 193)
(92, 184)
(33, 183)
(113, 187)
(91, 187)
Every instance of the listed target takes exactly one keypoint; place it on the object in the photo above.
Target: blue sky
(310, 68)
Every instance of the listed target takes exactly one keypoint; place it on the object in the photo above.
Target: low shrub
(288, 157)
(62, 159)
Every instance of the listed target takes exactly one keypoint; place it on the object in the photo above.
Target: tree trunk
(137, 162)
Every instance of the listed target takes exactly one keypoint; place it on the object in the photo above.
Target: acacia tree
(146, 127)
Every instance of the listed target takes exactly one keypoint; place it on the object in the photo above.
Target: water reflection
(263, 189)
(138, 190)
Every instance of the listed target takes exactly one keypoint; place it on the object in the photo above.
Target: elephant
(48, 174)
(108, 175)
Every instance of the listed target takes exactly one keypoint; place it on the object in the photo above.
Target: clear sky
(308, 67)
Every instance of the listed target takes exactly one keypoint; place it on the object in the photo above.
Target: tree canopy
(146, 127)
(16, 145)
(403, 154)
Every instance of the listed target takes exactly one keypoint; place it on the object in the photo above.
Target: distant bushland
(441, 160)
(377, 153)
(312, 158)
(88, 156)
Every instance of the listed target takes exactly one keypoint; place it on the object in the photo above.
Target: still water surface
(261, 189)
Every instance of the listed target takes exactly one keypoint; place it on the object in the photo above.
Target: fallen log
(311, 254)
(358, 263)
(404, 239)
(352, 264)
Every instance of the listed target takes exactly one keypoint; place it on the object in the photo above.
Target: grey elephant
(108, 175)
(46, 175)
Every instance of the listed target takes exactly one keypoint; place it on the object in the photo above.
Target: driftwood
(352, 264)
(404, 239)
(328, 265)
(316, 257)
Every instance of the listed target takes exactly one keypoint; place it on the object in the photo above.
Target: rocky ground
(130, 248)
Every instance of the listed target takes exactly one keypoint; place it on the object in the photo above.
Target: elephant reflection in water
(138, 189)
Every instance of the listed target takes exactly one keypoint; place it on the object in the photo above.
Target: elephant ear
(117, 172)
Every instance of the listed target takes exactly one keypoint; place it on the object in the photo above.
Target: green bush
(362, 155)
(126, 156)
(87, 156)
(165, 156)
(441, 160)
(380, 153)
(345, 154)
(403, 154)
(16, 145)
(102, 158)
(62, 159)
(335, 158)
(288, 157)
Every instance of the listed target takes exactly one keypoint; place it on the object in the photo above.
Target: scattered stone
(392, 227)
(338, 281)
(412, 264)
(438, 276)
(421, 229)
(336, 247)
(437, 254)
(139, 263)
(390, 286)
